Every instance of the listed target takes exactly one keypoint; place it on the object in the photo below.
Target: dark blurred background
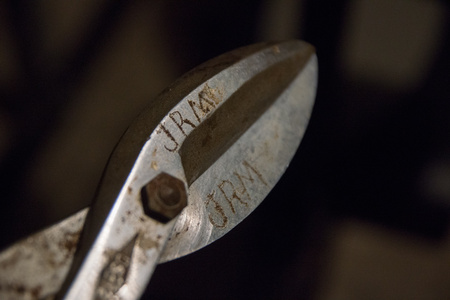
(361, 213)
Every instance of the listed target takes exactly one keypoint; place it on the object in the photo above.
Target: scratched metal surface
(221, 199)
(49, 253)
(264, 133)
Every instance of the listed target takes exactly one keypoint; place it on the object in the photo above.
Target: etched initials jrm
(186, 121)
(234, 191)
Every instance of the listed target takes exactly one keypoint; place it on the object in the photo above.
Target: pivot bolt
(164, 197)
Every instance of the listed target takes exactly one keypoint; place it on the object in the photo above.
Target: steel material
(272, 113)
(35, 267)
(226, 131)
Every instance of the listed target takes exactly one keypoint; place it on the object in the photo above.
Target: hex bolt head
(164, 197)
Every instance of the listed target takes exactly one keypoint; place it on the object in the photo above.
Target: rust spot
(213, 94)
(13, 260)
(67, 246)
(71, 241)
(147, 243)
(275, 49)
(130, 190)
(21, 291)
(45, 245)
(36, 292)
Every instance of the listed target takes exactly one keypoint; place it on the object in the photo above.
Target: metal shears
(193, 165)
